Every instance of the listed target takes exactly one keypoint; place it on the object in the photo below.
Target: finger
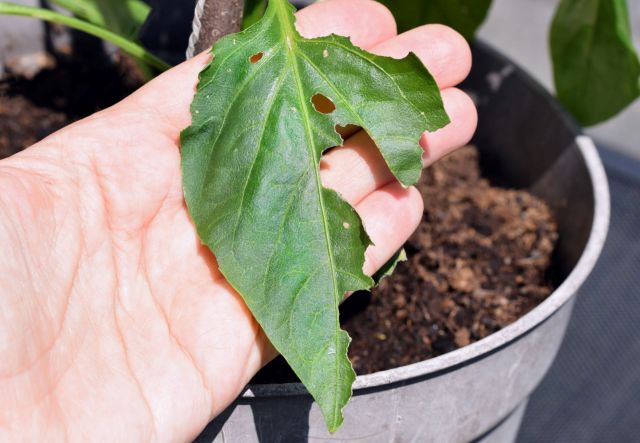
(442, 50)
(390, 215)
(357, 168)
(165, 100)
(367, 22)
(464, 121)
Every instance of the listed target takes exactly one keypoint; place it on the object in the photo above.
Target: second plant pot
(479, 392)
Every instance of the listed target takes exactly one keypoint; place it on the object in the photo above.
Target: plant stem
(128, 46)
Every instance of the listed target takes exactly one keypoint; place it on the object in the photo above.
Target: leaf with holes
(266, 108)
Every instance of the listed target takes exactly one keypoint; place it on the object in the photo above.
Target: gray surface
(592, 393)
(507, 431)
(519, 28)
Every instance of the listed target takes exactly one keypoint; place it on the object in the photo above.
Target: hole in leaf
(255, 58)
(323, 104)
(347, 131)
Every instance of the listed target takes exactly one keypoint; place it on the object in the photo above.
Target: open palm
(115, 323)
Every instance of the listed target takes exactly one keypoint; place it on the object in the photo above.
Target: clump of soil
(74, 87)
(477, 263)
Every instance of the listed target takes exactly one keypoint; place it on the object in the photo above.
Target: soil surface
(72, 88)
(478, 261)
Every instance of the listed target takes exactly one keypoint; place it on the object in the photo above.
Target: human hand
(115, 323)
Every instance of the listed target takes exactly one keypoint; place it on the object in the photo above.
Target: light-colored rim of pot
(535, 317)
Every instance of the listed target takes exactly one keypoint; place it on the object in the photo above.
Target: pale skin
(115, 324)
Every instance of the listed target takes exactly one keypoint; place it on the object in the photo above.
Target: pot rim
(526, 323)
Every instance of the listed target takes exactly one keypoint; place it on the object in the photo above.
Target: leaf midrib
(290, 36)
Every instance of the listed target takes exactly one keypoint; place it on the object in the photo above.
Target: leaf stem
(128, 46)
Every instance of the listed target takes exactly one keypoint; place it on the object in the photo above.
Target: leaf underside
(596, 68)
(251, 178)
(390, 266)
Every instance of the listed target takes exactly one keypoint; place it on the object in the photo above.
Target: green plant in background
(596, 68)
(465, 16)
(124, 17)
(115, 21)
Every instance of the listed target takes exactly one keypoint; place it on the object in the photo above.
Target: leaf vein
(271, 103)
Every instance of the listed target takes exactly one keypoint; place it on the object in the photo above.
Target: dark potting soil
(478, 261)
(72, 88)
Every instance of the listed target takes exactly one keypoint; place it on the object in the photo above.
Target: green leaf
(84, 9)
(465, 16)
(251, 178)
(253, 11)
(390, 266)
(596, 68)
(123, 17)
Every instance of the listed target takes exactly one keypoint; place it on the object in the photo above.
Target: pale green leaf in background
(124, 17)
(127, 45)
(251, 177)
(84, 9)
(465, 16)
(115, 21)
(596, 68)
